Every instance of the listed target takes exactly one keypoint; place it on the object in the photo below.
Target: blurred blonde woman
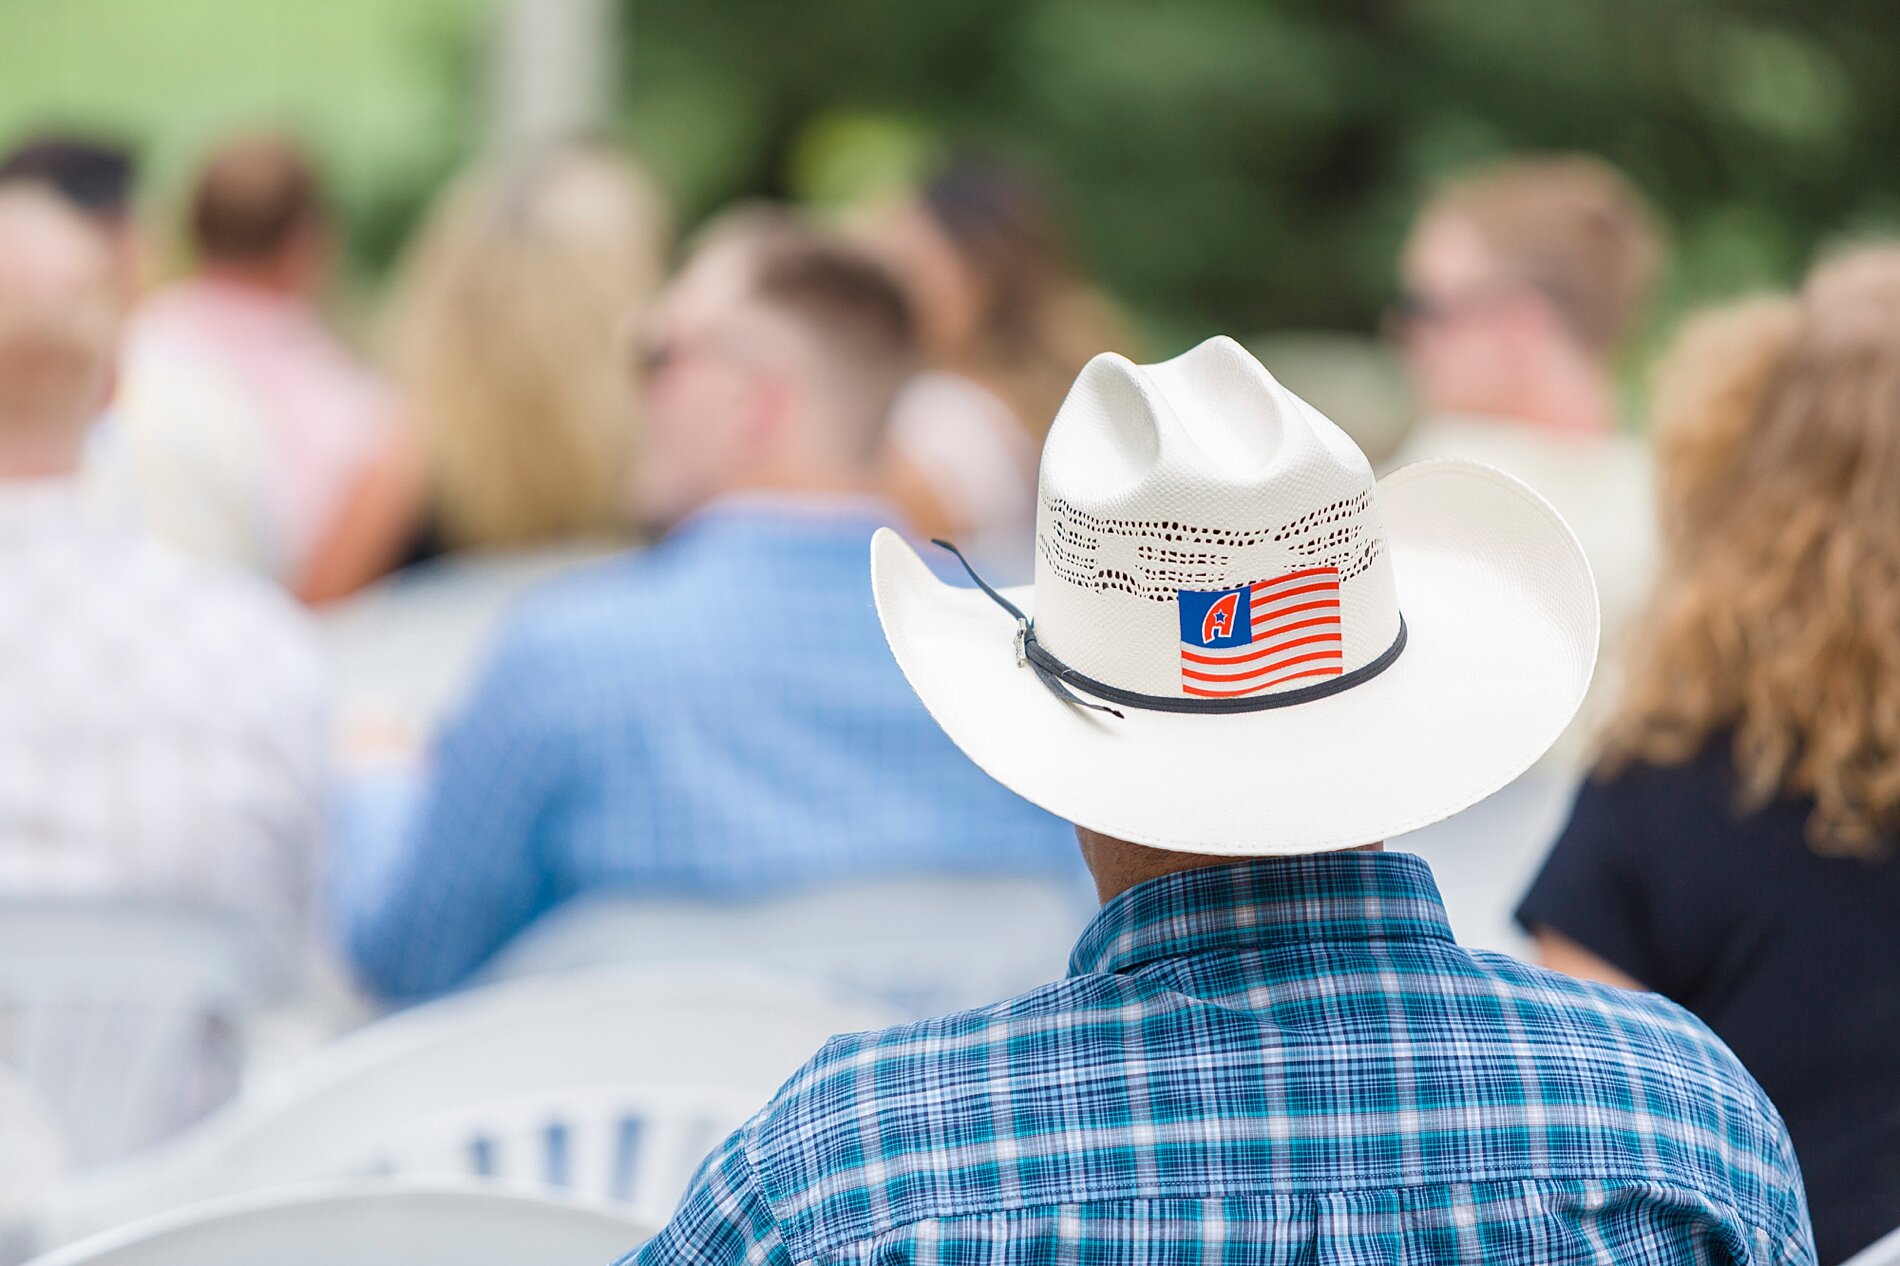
(1736, 850)
(505, 339)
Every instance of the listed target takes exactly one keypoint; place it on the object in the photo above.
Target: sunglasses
(655, 355)
(1412, 309)
(652, 357)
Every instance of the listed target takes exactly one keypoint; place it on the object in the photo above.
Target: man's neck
(815, 484)
(1118, 865)
(818, 498)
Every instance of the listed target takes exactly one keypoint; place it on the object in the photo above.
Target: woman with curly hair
(1736, 849)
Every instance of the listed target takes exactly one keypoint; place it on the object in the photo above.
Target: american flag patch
(1243, 641)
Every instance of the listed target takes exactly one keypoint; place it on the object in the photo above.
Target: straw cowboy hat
(1237, 641)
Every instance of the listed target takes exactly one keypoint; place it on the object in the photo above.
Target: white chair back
(628, 1145)
(1884, 1251)
(369, 1224)
(925, 946)
(505, 1043)
(130, 1017)
(32, 1160)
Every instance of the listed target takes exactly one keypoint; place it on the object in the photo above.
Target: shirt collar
(848, 512)
(226, 297)
(1349, 896)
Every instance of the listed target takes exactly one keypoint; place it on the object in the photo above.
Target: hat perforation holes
(1326, 536)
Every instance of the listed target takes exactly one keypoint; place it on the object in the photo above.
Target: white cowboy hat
(1237, 643)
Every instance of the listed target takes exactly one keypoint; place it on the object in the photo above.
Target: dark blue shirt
(1791, 957)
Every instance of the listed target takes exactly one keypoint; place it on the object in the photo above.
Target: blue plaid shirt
(1288, 1061)
(718, 715)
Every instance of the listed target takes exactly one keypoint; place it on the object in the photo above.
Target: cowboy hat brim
(1501, 617)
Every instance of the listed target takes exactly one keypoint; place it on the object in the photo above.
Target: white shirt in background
(1604, 486)
(980, 464)
(162, 720)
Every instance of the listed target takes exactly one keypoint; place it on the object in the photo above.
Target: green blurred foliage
(1251, 165)
(386, 92)
(1238, 165)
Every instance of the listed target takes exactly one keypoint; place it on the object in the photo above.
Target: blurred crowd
(199, 472)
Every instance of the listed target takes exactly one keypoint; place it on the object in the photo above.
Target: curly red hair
(1777, 616)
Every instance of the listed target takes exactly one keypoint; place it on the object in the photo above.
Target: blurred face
(946, 295)
(709, 403)
(1460, 323)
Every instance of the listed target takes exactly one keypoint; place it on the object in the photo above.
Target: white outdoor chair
(369, 1224)
(349, 1104)
(130, 1017)
(1884, 1251)
(32, 1160)
(629, 1145)
(924, 945)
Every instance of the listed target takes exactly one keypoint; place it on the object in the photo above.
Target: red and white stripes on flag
(1295, 638)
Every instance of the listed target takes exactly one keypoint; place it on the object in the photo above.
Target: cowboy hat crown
(1204, 476)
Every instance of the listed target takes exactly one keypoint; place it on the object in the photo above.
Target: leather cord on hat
(1049, 670)
(1059, 677)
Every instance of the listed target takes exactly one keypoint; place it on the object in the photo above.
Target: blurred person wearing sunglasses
(714, 716)
(1521, 282)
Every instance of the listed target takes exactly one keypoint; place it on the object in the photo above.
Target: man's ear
(774, 411)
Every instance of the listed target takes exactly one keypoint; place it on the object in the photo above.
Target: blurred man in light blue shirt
(717, 715)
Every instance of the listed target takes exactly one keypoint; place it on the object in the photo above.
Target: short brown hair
(252, 196)
(1573, 227)
(837, 291)
(840, 292)
(847, 303)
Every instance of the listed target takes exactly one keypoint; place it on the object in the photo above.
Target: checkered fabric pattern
(716, 716)
(1281, 1061)
(163, 722)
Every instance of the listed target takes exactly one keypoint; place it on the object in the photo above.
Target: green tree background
(1240, 165)
(1251, 165)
